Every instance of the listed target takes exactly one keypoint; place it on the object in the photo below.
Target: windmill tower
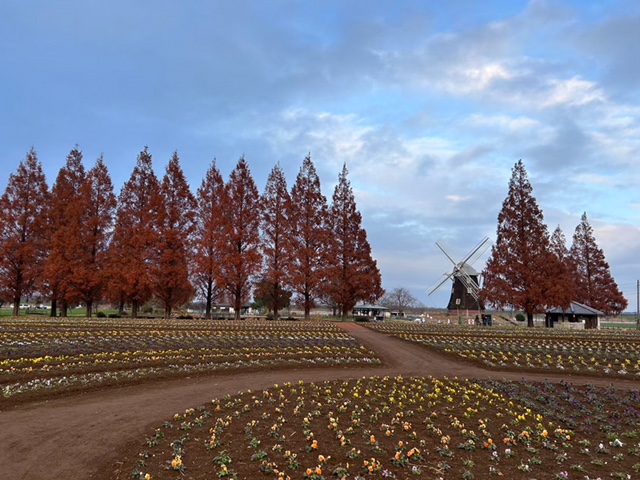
(466, 280)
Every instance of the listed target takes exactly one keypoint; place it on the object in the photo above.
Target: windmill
(466, 282)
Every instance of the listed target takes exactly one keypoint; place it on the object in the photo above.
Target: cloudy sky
(429, 103)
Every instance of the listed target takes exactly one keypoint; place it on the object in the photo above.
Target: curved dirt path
(84, 435)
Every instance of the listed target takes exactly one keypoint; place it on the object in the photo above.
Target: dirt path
(83, 436)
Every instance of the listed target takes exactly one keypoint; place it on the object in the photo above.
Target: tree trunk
(134, 309)
(276, 300)
(530, 319)
(209, 299)
(89, 309)
(64, 309)
(237, 303)
(54, 307)
(167, 313)
(16, 306)
(307, 306)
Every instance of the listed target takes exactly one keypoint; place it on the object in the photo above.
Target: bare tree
(400, 299)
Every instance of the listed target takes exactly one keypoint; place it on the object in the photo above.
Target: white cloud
(572, 92)
(511, 123)
(594, 179)
(457, 198)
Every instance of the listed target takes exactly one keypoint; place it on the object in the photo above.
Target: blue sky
(429, 103)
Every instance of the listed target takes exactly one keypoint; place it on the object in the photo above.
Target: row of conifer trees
(532, 270)
(80, 243)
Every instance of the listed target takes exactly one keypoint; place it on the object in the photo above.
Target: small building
(374, 312)
(577, 316)
(464, 289)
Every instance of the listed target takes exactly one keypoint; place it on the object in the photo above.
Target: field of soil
(86, 435)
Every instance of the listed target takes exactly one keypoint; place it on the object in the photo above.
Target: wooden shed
(577, 316)
(374, 312)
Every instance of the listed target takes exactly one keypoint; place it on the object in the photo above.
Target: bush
(361, 319)
(185, 317)
(520, 317)
(101, 315)
(114, 315)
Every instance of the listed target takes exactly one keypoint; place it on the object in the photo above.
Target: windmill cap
(468, 269)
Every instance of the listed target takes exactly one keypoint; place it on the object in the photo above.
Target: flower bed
(53, 356)
(590, 352)
(400, 428)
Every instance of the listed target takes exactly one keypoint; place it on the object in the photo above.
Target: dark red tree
(594, 285)
(521, 268)
(65, 214)
(175, 227)
(131, 253)
(309, 236)
(276, 233)
(23, 229)
(241, 256)
(209, 237)
(273, 297)
(563, 285)
(88, 266)
(352, 273)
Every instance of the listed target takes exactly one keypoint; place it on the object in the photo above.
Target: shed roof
(369, 307)
(577, 309)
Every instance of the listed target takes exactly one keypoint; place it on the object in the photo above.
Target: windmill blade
(446, 254)
(472, 287)
(483, 246)
(476, 252)
(448, 277)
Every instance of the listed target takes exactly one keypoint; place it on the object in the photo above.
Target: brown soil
(85, 435)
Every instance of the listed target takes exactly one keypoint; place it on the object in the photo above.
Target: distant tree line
(530, 270)
(79, 243)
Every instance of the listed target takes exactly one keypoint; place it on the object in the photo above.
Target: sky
(429, 104)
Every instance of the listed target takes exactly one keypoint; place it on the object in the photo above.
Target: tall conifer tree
(23, 230)
(352, 273)
(88, 265)
(563, 288)
(520, 270)
(65, 214)
(135, 235)
(594, 285)
(176, 224)
(241, 258)
(309, 236)
(209, 237)
(276, 232)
